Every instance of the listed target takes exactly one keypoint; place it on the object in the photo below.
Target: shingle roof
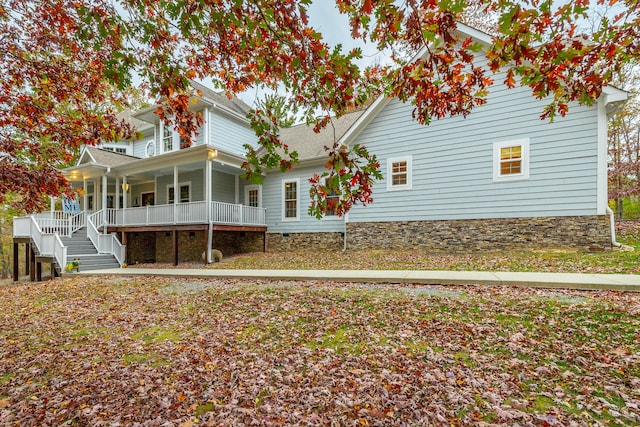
(310, 145)
(234, 104)
(109, 158)
(127, 116)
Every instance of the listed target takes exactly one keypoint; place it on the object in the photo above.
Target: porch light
(125, 189)
(212, 154)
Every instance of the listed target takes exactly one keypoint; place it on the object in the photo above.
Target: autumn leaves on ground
(160, 351)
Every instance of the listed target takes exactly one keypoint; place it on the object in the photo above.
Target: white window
(511, 160)
(290, 199)
(113, 149)
(185, 193)
(167, 138)
(332, 202)
(399, 173)
(252, 196)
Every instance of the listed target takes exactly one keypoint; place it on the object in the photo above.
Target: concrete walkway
(618, 282)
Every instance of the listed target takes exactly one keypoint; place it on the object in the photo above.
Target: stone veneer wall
(237, 242)
(277, 242)
(588, 233)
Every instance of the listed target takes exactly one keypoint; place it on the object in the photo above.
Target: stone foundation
(291, 242)
(585, 233)
(238, 242)
(191, 244)
(149, 247)
(141, 248)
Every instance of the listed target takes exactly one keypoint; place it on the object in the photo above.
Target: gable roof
(309, 144)
(104, 157)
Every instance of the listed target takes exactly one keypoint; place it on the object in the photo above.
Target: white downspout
(346, 219)
(612, 224)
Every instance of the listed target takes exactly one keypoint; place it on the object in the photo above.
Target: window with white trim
(290, 199)
(511, 160)
(167, 138)
(114, 149)
(399, 173)
(332, 201)
(185, 193)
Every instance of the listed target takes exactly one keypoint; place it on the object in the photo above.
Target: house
(499, 179)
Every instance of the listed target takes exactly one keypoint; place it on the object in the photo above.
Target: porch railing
(61, 223)
(47, 241)
(186, 213)
(104, 243)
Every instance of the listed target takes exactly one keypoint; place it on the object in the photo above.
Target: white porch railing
(104, 243)
(185, 213)
(47, 242)
(59, 222)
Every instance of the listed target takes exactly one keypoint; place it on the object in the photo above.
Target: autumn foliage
(63, 61)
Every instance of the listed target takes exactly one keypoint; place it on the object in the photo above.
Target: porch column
(176, 194)
(104, 204)
(84, 198)
(27, 251)
(16, 267)
(32, 266)
(124, 199)
(208, 188)
(117, 201)
(125, 193)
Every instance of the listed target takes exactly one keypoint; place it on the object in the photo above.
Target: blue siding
(453, 162)
(272, 195)
(229, 134)
(223, 187)
(140, 145)
(196, 178)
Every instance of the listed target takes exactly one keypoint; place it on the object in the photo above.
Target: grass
(232, 352)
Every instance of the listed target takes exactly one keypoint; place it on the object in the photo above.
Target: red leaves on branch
(64, 62)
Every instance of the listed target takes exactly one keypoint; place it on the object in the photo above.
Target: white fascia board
(85, 152)
(366, 118)
(613, 94)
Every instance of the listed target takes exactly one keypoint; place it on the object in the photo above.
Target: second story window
(167, 138)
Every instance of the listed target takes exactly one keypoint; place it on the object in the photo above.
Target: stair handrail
(35, 232)
(92, 230)
(48, 244)
(59, 252)
(76, 222)
(104, 243)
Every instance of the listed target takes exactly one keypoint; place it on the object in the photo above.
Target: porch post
(104, 204)
(39, 271)
(52, 200)
(16, 267)
(208, 188)
(85, 208)
(96, 194)
(32, 267)
(176, 194)
(175, 247)
(117, 201)
(27, 249)
(125, 194)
